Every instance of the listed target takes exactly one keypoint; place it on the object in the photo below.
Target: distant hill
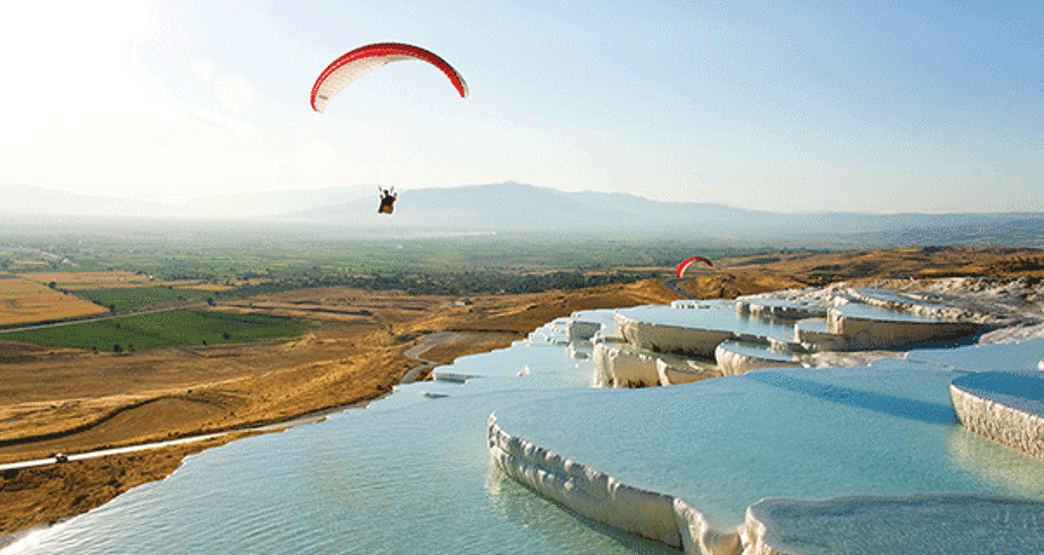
(514, 206)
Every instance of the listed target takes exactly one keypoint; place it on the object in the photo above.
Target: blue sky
(786, 106)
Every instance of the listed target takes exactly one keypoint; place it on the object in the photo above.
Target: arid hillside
(921, 262)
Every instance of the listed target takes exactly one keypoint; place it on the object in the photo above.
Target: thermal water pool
(723, 444)
(711, 315)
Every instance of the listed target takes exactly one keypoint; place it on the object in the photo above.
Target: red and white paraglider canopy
(363, 60)
(680, 272)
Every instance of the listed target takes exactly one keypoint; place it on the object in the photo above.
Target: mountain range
(514, 206)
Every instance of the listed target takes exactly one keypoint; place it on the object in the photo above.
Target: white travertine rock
(452, 377)
(1013, 334)
(814, 335)
(868, 333)
(591, 493)
(765, 308)
(912, 305)
(699, 537)
(917, 523)
(1002, 302)
(843, 332)
(732, 363)
(1013, 420)
(676, 371)
(832, 359)
(887, 524)
(671, 339)
(619, 366)
(577, 354)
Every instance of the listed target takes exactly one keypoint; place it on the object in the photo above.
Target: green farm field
(162, 329)
(119, 299)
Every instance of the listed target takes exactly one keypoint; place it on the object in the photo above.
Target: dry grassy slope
(894, 263)
(729, 285)
(521, 314)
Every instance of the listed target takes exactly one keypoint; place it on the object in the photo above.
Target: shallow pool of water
(860, 310)
(892, 297)
(757, 350)
(1021, 355)
(725, 443)
(713, 315)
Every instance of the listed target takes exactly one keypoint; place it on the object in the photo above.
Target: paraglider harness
(388, 197)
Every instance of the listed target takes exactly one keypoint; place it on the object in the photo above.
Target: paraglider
(388, 197)
(689, 262)
(361, 61)
(365, 59)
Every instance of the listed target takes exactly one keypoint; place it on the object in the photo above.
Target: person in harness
(388, 197)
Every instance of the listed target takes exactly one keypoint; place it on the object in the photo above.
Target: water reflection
(1007, 469)
(911, 409)
(560, 525)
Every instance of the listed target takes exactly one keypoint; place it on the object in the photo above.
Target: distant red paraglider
(688, 262)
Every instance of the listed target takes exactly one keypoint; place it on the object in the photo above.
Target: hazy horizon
(355, 192)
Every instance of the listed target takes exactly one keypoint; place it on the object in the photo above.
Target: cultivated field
(135, 297)
(166, 328)
(23, 301)
(75, 281)
(116, 279)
